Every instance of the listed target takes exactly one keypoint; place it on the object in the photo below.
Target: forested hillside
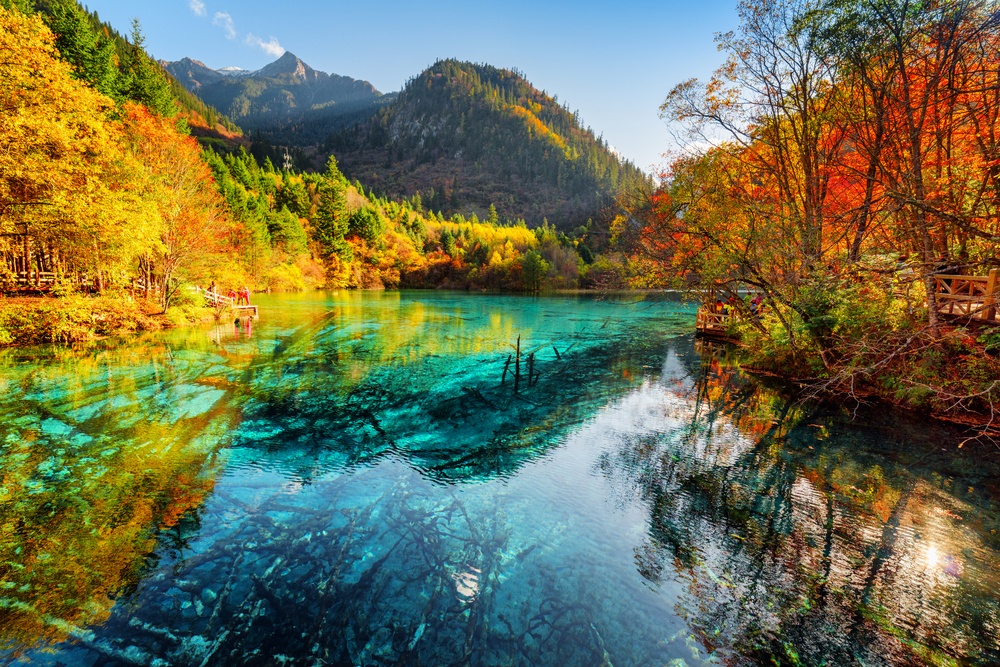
(100, 189)
(310, 230)
(466, 136)
(108, 193)
(120, 67)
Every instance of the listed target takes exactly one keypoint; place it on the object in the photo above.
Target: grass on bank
(75, 318)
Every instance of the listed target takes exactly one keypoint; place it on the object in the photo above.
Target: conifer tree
(293, 195)
(287, 232)
(330, 222)
(23, 6)
(366, 223)
(91, 54)
(142, 80)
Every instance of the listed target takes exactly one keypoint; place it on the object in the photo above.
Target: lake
(364, 478)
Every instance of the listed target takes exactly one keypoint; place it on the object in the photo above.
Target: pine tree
(287, 232)
(23, 6)
(91, 54)
(293, 195)
(367, 224)
(330, 222)
(142, 80)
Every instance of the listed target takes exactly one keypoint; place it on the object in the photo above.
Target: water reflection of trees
(427, 384)
(804, 538)
(111, 451)
(796, 534)
(94, 461)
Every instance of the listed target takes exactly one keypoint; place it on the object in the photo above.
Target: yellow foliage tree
(66, 187)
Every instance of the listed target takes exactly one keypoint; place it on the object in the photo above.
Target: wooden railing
(214, 298)
(708, 321)
(29, 280)
(25, 278)
(217, 300)
(972, 297)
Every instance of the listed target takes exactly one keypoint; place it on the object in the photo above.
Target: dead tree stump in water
(517, 366)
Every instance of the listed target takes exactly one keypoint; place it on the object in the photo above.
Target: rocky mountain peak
(287, 65)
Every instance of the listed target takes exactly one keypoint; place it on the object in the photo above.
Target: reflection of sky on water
(353, 485)
(822, 550)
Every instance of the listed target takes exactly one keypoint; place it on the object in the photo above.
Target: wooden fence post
(989, 299)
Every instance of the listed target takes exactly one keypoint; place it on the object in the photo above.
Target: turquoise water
(355, 480)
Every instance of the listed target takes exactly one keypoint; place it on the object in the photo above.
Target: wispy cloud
(271, 46)
(225, 21)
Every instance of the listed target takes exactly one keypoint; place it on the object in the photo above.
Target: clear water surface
(356, 481)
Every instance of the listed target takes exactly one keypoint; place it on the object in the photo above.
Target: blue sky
(614, 62)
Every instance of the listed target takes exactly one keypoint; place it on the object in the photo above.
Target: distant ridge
(193, 74)
(233, 71)
(280, 96)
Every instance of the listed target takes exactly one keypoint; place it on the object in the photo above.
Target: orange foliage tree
(195, 232)
(846, 138)
(67, 200)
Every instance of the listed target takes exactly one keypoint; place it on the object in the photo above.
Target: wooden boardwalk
(711, 323)
(220, 300)
(971, 297)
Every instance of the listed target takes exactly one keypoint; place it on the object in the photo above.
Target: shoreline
(34, 320)
(76, 318)
(979, 426)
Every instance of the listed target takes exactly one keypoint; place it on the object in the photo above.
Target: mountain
(234, 71)
(291, 67)
(193, 74)
(465, 136)
(281, 98)
(123, 70)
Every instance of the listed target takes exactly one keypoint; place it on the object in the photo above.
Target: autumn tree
(195, 234)
(852, 160)
(67, 192)
(775, 93)
(929, 72)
